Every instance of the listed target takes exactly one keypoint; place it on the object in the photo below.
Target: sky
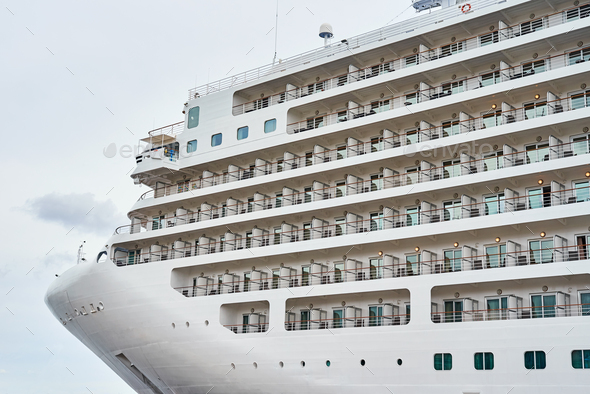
(79, 76)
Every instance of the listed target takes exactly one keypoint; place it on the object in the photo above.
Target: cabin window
(483, 361)
(243, 133)
(216, 139)
(443, 361)
(191, 146)
(193, 117)
(535, 360)
(581, 359)
(270, 125)
(488, 39)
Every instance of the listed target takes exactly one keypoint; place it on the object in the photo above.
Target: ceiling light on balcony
(456, 244)
(537, 96)
(417, 248)
(380, 253)
(587, 174)
(540, 181)
(498, 239)
(543, 234)
(494, 106)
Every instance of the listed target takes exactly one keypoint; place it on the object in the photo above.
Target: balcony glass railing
(445, 171)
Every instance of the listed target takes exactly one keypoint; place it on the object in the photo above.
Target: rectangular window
(443, 361)
(493, 161)
(216, 139)
(308, 159)
(541, 251)
(531, 26)
(495, 256)
(242, 133)
(494, 204)
(280, 162)
(543, 306)
(248, 240)
(581, 359)
(450, 128)
(305, 271)
(487, 39)
(375, 316)
(535, 110)
(307, 194)
(452, 260)
(582, 191)
(339, 268)
(340, 189)
(337, 317)
(453, 311)
(483, 361)
(492, 119)
(412, 216)
(412, 98)
(412, 264)
(376, 182)
(490, 79)
(411, 60)
(278, 200)
(193, 117)
(376, 268)
(577, 13)
(246, 281)
(452, 210)
(580, 56)
(585, 303)
(339, 224)
(376, 219)
(497, 308)
(533, 68)
(306, 231)
(191, 146)
(341, 152)
(451, 168)
(580, 100)
(452, 87)
(304, 321)
(270, 125)
(535, 360)
(277, 236)
(581, 145)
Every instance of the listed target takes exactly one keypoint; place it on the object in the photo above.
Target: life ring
(466, 8)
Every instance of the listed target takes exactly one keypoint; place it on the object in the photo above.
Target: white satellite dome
(326, 30)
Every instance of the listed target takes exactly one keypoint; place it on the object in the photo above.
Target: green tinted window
(193, 117)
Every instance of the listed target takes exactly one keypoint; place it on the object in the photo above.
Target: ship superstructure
(403, 211)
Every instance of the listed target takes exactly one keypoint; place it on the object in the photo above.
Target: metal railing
(396, 269)
(348, 227)
(494, 118)
(428, 55)
(445, 89)
(247, 328)
(485, 164)
(345, 322)
(384, 33)
(529, 312)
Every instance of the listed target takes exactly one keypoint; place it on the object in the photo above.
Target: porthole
(302, 364)
(399, 361)
(281, 364)
(328, 363)
(363, 362)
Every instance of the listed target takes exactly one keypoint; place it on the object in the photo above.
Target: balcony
(389, 178)
(428, 93)
(423, 56)
(464, 124)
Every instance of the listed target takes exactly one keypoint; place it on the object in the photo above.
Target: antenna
(276, 32)
(326, 32)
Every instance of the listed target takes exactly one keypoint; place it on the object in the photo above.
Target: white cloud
(81, 211)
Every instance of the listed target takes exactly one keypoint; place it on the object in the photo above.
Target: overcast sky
(78, 76)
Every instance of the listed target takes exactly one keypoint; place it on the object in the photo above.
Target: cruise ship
(404, 211)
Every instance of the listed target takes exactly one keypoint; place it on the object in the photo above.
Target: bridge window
(193, 117)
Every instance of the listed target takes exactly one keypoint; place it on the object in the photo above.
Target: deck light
(587, 174)
(494, 106)
(417, 248)
(498, 239)
(540, 181)
(456, 244)
(380, 253)
(543, 234)
(537, 96)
